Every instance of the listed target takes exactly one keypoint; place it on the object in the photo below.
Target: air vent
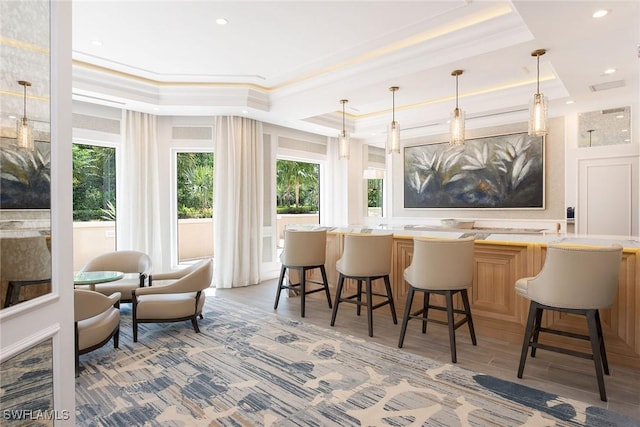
(614, 110)
(192, 132)
(606, 86)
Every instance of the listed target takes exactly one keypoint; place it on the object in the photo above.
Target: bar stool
(304, 250)
(25, 261)
(443, 267)
(366, 257)
(577, 281)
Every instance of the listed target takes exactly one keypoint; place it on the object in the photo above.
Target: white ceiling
(291, 62)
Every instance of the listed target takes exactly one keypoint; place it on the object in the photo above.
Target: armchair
(97, 319)
(181, 299)
(128, 262)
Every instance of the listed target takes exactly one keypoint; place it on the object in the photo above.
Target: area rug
(253, 368)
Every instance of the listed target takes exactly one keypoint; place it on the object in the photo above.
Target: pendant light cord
(393, 106)
(456, 91)
(25, 101)
(538, 86)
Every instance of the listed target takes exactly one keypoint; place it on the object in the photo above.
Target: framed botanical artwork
(496, 172)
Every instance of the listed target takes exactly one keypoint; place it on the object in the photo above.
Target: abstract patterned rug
(252, 368)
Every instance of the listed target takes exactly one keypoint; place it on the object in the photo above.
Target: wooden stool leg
(450, 321)
(282, 271)
(334, 312)
(359, 296)
(387, 285)
(405, 317)
(425, 313)
(467, 309)
(595, 348)
(326, 284)
(369, 306)
(533, 307)
(303, 290)
(536, 330)
(603, 353)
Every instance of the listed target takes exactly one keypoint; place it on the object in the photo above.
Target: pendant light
(538, 105)
(25, 132)
(343, 138)
(393, 130)
(456, 124)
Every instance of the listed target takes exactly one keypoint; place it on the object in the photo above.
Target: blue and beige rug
(251, 368)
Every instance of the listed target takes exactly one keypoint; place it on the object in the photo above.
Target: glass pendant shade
(393, 130)
(25, 134)
(343, 145)
(538, 115)
(538, 106)
(24, 130)
(393, 137)
(343, 137)
(456, 127)
(456, 122)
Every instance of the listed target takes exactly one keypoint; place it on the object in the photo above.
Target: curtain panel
(138, 209)
(238, 204)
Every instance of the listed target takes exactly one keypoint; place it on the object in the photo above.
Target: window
(194, 189)
(297, 194)
(374, 197)
(94, 201)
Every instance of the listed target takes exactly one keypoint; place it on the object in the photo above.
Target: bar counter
(502, 257)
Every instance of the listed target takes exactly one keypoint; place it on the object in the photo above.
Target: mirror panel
(604, 127)
(25, 168)
(373, 175)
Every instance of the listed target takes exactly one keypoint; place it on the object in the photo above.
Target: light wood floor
(567, 376)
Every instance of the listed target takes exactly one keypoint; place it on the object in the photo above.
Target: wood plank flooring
(564, 375)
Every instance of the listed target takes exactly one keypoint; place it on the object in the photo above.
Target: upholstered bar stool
(304, 250)
(366, 257)
(443, 267)
(25, 261)
(577, 281)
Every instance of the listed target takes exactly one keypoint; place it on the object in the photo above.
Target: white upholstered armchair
(97, 320)
(133, 263)
(182, 298)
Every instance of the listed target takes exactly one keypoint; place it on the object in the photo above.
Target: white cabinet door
(607, 196)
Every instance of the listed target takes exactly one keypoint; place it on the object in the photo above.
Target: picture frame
(493, 172)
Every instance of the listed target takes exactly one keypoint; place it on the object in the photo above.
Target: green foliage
(374, 193)
(297, 185)
(94, 183)
(296, 209)
(195, 185)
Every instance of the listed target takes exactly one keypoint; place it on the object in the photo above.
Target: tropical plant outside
(94, 183)
(374, 193)
(297, 187)
(195, 173)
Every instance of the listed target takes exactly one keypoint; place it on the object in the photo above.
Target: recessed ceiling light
(245, 111)
(12, 117)
(600, 13)
(620, 116)
(222, 21)
(571, 101)
(96, 42)
(624, 130)
(610, 71)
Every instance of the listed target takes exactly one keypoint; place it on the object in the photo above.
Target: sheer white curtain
(138, 208)
(238, 202)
